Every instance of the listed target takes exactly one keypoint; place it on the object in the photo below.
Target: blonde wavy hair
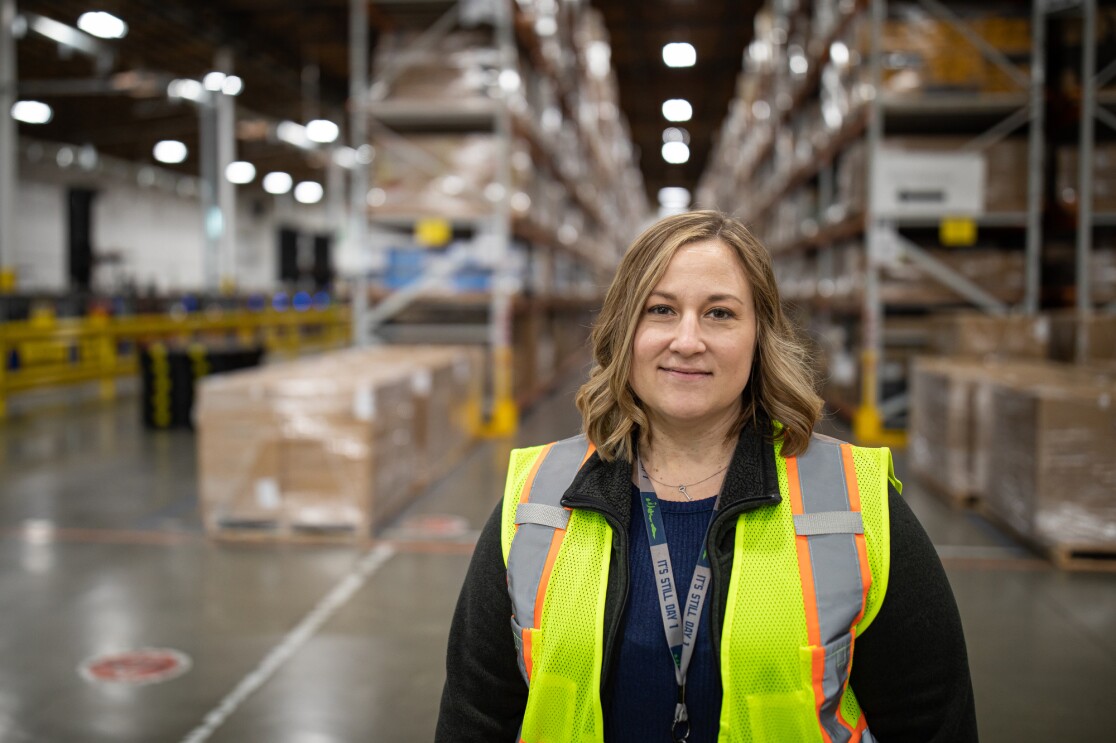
(782, 383)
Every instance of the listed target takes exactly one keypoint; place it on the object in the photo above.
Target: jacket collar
(751, 481)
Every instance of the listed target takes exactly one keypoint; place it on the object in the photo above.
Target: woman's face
(696, 338)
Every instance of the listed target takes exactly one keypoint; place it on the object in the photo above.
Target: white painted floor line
(294, 640)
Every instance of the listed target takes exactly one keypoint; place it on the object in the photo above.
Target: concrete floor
(101, 550)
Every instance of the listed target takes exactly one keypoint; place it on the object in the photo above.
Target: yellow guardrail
(49, 352)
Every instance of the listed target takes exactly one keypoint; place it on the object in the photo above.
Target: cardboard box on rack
(1066, 327)
(977, 334)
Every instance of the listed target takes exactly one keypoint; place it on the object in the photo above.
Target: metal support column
(504, 416)
(335, 199)
(868, 422)
(226, 190)
(1035, 164)
(212, 221)
(1085, 168)
(358, 188)
(8, 145)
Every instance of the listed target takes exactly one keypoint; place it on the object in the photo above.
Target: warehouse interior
(283, 283)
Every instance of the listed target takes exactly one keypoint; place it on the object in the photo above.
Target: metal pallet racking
(418, 311)
(757, 159)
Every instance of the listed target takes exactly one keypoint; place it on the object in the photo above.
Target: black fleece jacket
(910, 669)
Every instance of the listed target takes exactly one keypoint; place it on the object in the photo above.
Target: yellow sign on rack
(433, 232)
(957, 232)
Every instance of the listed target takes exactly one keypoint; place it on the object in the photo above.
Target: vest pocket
(550, 715)
(778, 718)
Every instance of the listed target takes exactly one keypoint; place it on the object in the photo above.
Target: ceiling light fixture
(676, 153)
(676, 134)
(798, 63)
(277, 183)
(322, 131)
(233, 85)
(170, 151)
(598, 57)
(102, 25)
(509, 81)
(32, 112)
(674, 197)
(213, 81)
(346, 157)
(679, 54)
(191, 90)
(677, 109)
(546, 26)
(240, 172)
(309, 192)
(293, 134)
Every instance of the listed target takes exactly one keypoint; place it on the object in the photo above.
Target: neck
(687, 455)
(668, 443)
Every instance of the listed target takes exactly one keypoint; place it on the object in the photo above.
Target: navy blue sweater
(640, 704)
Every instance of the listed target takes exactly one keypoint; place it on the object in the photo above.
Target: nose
(687, 339)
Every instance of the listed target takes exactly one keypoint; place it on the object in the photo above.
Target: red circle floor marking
(135, 667)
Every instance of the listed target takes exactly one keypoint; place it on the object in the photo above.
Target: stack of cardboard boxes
(336, 443)
(1029, 439)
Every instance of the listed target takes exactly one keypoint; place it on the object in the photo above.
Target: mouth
(682, 373)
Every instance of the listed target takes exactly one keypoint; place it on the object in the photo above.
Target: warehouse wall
(40, 237)
(157, 234)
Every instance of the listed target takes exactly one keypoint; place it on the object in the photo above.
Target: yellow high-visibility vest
(808, 577)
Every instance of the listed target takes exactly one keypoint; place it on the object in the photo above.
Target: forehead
(711, 260)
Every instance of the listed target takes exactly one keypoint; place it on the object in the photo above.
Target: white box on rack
(909, 183)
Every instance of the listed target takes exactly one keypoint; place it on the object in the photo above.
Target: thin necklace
(681, 488)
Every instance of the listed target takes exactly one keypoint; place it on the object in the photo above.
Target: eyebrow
(711, 298)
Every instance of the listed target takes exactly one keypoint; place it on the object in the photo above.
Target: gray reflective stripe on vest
(828, 522)
(542, 514)
(531, 543)
(831, 529)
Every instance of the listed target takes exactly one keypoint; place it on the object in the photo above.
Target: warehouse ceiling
(293, 58)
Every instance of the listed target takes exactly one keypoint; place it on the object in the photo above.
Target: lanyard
(680, 625)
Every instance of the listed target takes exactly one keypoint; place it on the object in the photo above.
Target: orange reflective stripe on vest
(833, 564)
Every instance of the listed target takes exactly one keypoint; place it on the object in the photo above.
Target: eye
(720, 313)
(659, 309)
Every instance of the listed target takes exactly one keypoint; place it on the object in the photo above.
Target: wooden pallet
(1085, 558)
(1071, 557)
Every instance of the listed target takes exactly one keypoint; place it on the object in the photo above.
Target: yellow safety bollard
(4, 351)
(104, 345)
(160, 386)
(504, 419)
(867, 421)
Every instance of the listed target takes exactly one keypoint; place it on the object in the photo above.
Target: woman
(699, 565)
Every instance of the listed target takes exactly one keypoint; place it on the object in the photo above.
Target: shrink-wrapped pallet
(943, 438)
(337, 443)
(304, 446)
(1052, 473)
